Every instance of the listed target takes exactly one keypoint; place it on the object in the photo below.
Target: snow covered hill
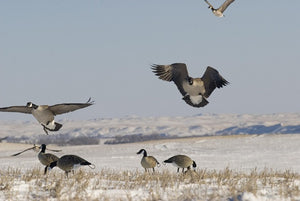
(182, 126)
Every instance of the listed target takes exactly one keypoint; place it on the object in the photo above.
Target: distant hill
(130, 129)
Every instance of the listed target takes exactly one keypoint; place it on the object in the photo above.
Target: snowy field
(239, 154)
(229, 167)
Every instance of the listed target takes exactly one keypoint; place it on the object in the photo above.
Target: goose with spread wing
(194, 90)
(219, 11)
(44, 158)
(45, 114)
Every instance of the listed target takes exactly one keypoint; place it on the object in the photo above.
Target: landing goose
(194, 90)
(70, 162)
(219, 12)
(181, 161)
(148, 162)
(44, 114)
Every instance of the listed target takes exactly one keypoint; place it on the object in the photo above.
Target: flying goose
(219, 12)
(70, 162)
(44, 158)
(194, 90)
(148, 161)
(44, 114)
(181, 161)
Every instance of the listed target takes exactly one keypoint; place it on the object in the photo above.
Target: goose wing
(212, 79)
(21, 109)
(34, 147)
(54, 150)
(69, 107)
(225, 5)
(176, 72)
(208, 3)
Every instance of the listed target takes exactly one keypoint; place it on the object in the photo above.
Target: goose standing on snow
(44, 114)
(45, 158)
(194, 90)
(148, 161)
(181, 161)
(219, 12)
(70, 162)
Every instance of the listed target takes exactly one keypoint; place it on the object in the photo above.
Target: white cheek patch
(196, 99)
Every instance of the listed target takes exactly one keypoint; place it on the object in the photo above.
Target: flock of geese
(194, 91)
(69, 163)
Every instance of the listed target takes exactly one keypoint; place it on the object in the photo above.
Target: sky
(67, 51)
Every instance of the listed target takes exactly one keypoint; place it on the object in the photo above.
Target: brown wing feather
(176, 72)
(69, 107)
(208, 3)
(225, 5)
(34, 147)
(212, 79)
(21, 109)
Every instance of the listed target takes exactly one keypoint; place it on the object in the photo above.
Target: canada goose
(148, 161)
(70, 162)
(44, 158)
(194, 90)
(219, 12)
(44, 114)
(181, 161)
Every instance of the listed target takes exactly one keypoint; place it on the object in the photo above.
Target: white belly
(43, 116)
(196, 99)
(218, 13)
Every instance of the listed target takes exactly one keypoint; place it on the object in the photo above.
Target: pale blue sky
(67, 51)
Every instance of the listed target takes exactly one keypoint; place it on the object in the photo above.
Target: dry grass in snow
(109, 184)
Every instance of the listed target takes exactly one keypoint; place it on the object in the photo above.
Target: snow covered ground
(280, 152)
(212, 151)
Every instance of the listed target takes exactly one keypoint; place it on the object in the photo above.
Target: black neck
(43, 149)
(145, 153)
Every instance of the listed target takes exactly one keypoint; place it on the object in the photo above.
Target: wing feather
(212, 79)
(69, 107)
(176, 72)
(34, 147)
(225, 5)
(21, 109)
(208, 3)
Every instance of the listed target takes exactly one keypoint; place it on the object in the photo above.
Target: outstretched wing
(208, 3)
(54, 150)
(69, 107)
(212, 79)
(34, 147)
(225, 5)
(176, 72)
(21, 109)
